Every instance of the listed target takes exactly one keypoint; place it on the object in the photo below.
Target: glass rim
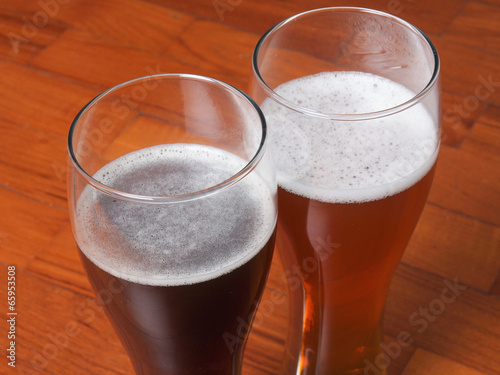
(347, 116)
(153, 199)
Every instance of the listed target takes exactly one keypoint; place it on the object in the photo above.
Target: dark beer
(180, 282)
(350, 196)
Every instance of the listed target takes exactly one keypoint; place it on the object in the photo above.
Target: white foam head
(180, 243)
(349, 161)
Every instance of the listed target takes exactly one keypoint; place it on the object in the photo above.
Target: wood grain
(424, 362)
(55, 55)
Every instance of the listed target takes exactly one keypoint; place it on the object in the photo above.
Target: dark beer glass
(172, 198)
(352, 101)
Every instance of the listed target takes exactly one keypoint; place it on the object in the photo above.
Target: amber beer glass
(352, 101)
(172, 198)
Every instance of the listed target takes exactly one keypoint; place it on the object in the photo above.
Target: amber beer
(350, 196)
(351, 276)
(186, 277)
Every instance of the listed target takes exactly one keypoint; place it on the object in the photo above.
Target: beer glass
(172, 198)
(352, 101)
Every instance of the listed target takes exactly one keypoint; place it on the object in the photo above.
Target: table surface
(55, 55)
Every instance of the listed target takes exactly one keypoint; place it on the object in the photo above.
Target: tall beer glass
(172, 198)
(352, 101)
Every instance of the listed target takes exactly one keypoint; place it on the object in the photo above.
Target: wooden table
(55, 55)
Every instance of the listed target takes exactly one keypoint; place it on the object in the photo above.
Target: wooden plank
(26, 226)
(426, 363)
(477, 25)
(495, 289)
(492, 2)
(452, 245)
(60, 264)
(34, 99)
(445, 317)
(104, 63)
(468, 183)
(399, 357)
(61, 332)
(25, 33)
(224, 52)
(459, 115)
(33, 163)
(469, 71)
(260, 15)
(135, 24)
(484, 138)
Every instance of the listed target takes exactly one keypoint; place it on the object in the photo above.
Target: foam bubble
(180, 243)
(357, 161)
